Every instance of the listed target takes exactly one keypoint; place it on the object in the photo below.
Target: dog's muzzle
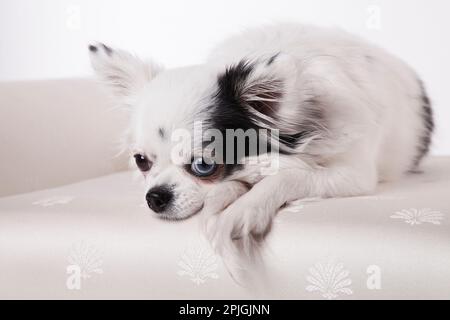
(159, 198)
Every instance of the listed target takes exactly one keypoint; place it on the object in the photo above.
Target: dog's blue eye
(202, 169)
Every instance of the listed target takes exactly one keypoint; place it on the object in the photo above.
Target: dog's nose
(158, 198)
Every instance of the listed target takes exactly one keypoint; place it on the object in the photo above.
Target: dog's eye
(202, 169)
(142, 162)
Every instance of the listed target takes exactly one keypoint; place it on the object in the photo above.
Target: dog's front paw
(217, 200)
(252, 221)
(237, 221)
(242, 227)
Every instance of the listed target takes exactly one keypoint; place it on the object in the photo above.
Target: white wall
(47, 38)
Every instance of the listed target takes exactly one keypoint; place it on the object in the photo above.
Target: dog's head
(193, 128)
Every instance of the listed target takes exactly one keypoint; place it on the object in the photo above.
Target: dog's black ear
(258, 86)
(123, 72)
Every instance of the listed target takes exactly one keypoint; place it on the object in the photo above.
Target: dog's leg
(217, 200)
(238, 225)
(246, 221)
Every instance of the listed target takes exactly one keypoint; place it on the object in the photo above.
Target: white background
(48, 38)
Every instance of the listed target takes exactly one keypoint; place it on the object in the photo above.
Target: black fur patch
(293, 140)
(162, 133)
(93, 48)
(428, 120)
(107, 49)
(229, 110)
(272, 59)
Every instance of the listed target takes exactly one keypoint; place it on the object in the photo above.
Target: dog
(336, 114)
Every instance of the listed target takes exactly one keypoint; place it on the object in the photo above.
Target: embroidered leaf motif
(87, 257)
(416, 217)
(199, 263)
(329, 279)
(53, 201)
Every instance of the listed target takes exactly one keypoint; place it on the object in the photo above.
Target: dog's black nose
(159, 198)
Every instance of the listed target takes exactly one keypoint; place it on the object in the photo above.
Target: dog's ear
(259, 85)
(123, 72)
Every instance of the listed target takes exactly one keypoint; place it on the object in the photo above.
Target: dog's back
(361, 89)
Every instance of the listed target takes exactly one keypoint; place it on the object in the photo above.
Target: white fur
(373, 115)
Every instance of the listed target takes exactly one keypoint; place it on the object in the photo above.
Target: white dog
(337, 115)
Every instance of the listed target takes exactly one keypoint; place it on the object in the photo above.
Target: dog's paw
(247, 221)
(242, 228)
(216, 201)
